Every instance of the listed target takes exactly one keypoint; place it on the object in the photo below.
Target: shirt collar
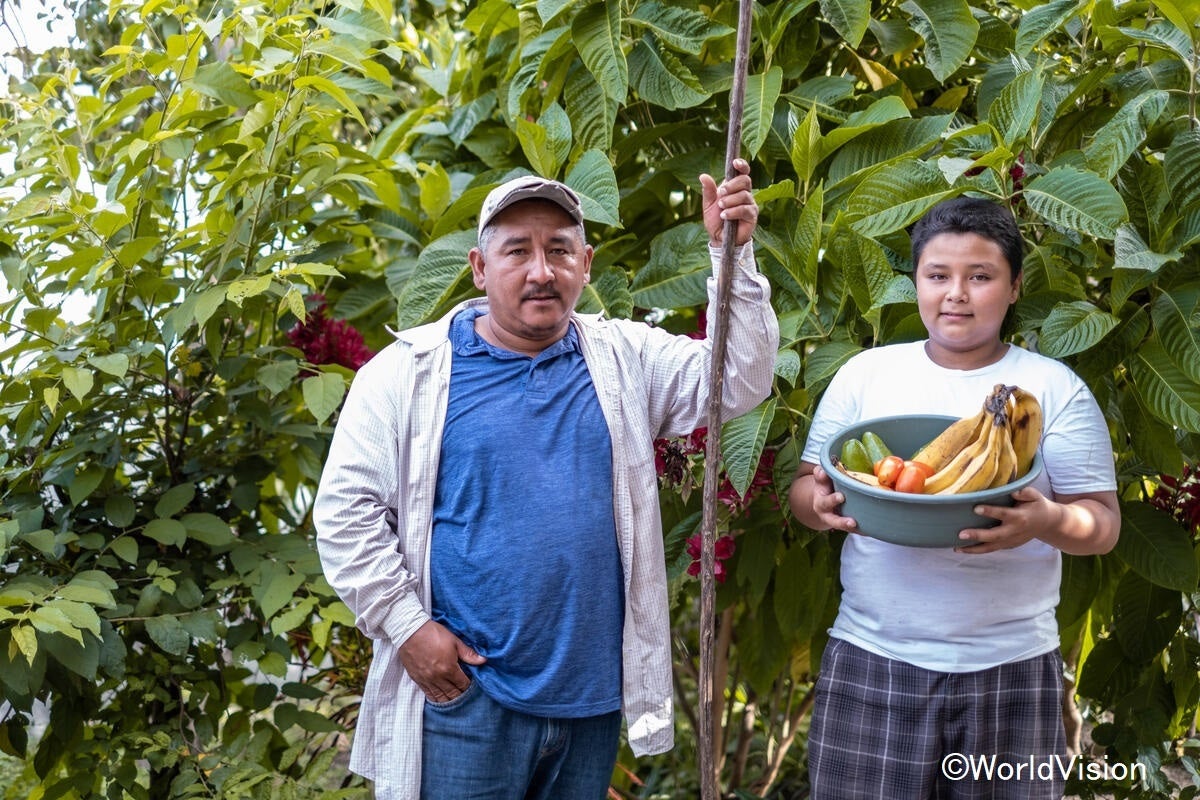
(466, 342)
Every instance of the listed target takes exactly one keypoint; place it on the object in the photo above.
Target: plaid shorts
(887, 729)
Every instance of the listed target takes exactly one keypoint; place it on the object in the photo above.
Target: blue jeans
(474, 748)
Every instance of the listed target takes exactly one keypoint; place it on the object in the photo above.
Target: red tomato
(928, 470)
(911, 479)
(887, 469)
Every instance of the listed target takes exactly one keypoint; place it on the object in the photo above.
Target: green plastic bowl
(914, 520)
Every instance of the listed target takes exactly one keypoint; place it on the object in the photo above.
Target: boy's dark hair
(971, 215)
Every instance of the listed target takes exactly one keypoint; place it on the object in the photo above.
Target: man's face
(533, 273)
(964, 288)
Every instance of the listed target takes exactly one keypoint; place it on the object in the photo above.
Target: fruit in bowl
(937, 469)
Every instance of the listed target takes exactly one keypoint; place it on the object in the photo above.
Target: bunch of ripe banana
(983, 451)
(991, 448)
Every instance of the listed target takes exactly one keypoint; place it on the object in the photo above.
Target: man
(489, 512)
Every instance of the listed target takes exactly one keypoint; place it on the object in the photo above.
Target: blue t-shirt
(524, 562)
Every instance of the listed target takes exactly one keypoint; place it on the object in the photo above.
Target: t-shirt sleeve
(1076, 447)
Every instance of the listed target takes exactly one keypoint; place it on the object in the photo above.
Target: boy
(938, 653)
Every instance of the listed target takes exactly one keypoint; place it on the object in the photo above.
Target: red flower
(723, 549)
(329, 341)
(1180, 497)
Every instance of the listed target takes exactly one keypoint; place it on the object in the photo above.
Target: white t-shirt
(933, 607)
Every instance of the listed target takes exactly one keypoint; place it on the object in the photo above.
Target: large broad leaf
(878, 113)
(1131, 252)
(659, 77)
(886, 143)
(1156, 547)
(1105, 674)
(761, 93)
(949, 30)
(1041, 20)
(441, 264)
(676, 274)
(742, 441)
(806, 149)
(1150, 438)
(608, 294)
(1075, 200)
(1074, 327)
(1165, 388)
(1120, 137)
(1080, 582)
(597, 34)
(222, 82)
(865, 266)
(547, 142)
(827, 359)
(1015, 110)
(1145, 616)
(1165, 36)
(1182, 168)
(1176, 316)
(594, 181)
(534, 58)
(806, 240)
(593, 113)
(849, 18)
(682, 28)
(894, 195)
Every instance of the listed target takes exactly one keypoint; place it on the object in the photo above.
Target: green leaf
(1156, 547)
(25, 637)
(1015, 109)
(596, 31)
(278, 375)
(1165, 389)
(742, 441)
(1165, 36)
(806, 150)
(175, 500)
(208, 528)
(1041, 20)
(1080, 582)
(880, 112)
(1074, 327)
(125, 548)
(762, 91)
(1145, 616)
(323, 394)
(1075, 200)
(1131, 252)
(806, 239)
(116, 364)
(608, 294)
(678, 270)
(169, 634)
(684, 29)
(167, 531)
(895, 195)
(84, 483)
(78, 381)
(1181, 166)
(1176, 316)
(222, 82)
(1120, 137)
(275, 587)
(827, 359)
(594, 180)
(949, 30)
(49, 619)
(324, 86)
(441, 265)
(848, 17)
(659, 77)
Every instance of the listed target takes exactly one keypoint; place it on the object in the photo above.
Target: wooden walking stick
(718, 326)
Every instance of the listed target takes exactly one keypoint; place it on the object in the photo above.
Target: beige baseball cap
(528, 187)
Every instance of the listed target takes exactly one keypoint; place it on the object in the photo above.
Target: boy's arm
(1077, 524)
(814, 501)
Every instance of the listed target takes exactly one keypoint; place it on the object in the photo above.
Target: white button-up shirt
(374, 506)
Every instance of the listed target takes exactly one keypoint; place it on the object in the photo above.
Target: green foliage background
(196, 170)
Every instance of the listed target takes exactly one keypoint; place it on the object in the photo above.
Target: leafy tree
(234, 189)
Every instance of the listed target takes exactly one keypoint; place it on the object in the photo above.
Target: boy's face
(964, 288)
